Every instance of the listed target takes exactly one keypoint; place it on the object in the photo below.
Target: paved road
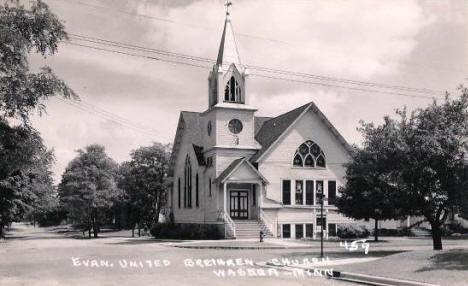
(38, 256)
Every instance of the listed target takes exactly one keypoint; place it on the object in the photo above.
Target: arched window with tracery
(188, 183)
(309, 155)
(232, 91)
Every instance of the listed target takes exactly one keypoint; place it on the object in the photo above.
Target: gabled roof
(226, 174)
(258, 123)
(272, 129)
(187, 121)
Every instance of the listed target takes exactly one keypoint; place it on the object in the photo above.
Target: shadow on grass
(347, 254)
(455, 259)
(141, 241)
(32, 237)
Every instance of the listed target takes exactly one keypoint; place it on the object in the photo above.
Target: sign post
(321, 198)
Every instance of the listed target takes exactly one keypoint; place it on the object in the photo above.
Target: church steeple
(228, 52)
(227, 79)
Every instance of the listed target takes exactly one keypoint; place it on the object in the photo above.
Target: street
(41, 256)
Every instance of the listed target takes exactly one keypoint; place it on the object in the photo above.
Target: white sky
(400, 42)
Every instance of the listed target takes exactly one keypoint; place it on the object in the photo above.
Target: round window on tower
(235, 126)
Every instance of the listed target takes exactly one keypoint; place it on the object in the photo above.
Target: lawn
(446, 267)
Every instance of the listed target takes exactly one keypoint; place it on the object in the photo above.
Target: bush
(185, 231)
(453, 227)
(394, 232)
(52, 217)
(352, 231)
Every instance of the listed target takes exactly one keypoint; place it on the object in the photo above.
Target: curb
(376, 280)
(236, 247)
(357, 277)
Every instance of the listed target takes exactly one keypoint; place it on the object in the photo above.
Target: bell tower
(228, 77)
(229, 120)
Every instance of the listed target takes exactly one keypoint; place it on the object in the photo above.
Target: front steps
(250, 229)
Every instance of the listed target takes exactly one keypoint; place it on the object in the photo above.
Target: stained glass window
(309, 155)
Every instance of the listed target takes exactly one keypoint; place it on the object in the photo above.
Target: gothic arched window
(232, 91)
(188, 183)
(309, 155)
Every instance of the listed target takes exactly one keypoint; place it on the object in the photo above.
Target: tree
(143, 181)
(427, 150)
(22, 154)
(44, 210)
(369, 192)
(23, 31)
(433, 163)
(89, 187)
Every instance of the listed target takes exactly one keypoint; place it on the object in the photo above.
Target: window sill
(229, 101)
(309, 168)
(307, 206)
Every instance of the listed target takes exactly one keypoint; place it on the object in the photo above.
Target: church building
(246, 173)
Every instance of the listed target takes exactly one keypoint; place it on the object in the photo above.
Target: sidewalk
(270, 243)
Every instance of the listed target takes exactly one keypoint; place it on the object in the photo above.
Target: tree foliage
(89, 187)
(24, 171)
(22, 31)
(25, 181)
(143, 182)
(369, 191)
(425, 157)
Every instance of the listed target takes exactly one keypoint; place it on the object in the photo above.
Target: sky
(412, 43)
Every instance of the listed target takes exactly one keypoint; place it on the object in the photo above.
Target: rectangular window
(209, 187)
(319, 223)
(309, 193)
(331, 229)
(299, 193)
(178, 192)
(286, 192)
(319, 191)
(331, 192)
(197, 202)
(254, 194)
(309, 230)
(299, 231)
(189, 190)
(185, 189)
(286, 231)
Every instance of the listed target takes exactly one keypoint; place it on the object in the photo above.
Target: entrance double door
(239, 204)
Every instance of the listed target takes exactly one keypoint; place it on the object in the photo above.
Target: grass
(446, 267)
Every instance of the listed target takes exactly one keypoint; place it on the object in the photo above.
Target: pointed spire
(228, 52)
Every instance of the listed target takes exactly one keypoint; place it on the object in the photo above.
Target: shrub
(453, 227)
(394, 232)
(352, 231)
(185, 231)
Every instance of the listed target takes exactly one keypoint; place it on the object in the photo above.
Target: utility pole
(321, 197)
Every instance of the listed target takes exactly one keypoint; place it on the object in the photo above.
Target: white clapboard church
(247, 173)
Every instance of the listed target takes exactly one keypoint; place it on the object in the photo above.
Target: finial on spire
(228, 5)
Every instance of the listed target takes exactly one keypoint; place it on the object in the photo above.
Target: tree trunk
(139, 229)
(158, 210)
(95, 229)
(376, 230)
(436, 236)
(89, 228)
(2, 228)
(133, 231)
